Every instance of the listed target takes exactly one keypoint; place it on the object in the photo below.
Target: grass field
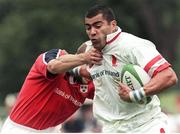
(169, 101)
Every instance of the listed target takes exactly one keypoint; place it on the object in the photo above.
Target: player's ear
(114, 25)
(81, 49)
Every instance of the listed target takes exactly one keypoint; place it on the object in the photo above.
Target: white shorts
(11, 127)
(157, 124)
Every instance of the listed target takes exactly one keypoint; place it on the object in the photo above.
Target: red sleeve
(43, 59)
(40, 66)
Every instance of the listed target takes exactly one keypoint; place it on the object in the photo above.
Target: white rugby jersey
(123, 48)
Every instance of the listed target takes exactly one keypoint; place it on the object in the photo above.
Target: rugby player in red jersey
(50, 94)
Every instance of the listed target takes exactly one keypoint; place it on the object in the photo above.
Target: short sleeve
(147, 56)
(42, 61)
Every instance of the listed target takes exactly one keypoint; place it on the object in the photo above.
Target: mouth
(94, 41)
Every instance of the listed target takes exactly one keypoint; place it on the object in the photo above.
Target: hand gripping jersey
(46, 101)
(123, 48)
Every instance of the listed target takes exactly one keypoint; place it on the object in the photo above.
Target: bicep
(163, 80)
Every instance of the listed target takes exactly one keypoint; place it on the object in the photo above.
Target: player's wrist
(137, 95)
(84, 58)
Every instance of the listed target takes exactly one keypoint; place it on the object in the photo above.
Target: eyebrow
(93, 23)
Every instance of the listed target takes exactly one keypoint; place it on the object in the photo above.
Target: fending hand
(94, 56)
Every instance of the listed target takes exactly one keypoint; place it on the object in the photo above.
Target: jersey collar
(113, 36)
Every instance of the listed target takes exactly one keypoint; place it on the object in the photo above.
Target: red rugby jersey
(45, 102)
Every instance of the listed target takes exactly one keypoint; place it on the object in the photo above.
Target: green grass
(168, 101)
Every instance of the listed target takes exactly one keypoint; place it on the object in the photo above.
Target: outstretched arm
(69, 61)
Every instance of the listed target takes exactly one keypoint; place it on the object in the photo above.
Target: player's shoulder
(88, 44)
(81, 48)
(134, 41)
(84, 47)
(48, 55)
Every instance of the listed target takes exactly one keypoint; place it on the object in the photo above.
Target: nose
(93, 31)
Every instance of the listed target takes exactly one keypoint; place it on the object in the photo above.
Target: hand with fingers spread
(93, 56)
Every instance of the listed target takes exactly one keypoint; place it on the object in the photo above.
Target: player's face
(97, 28)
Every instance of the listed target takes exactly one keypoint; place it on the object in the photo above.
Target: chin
(97, 46)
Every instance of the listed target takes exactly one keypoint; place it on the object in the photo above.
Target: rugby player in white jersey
(112, 104)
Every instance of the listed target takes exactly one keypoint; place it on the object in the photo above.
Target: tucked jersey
(123, 48)
(48, 100)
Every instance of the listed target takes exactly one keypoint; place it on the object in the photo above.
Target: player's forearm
(65, 63)
(160, 82)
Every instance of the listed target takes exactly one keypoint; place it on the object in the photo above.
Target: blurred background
(29, 27)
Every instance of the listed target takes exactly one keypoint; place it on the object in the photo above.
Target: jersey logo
(114, 61)
(162, 130)
(84, 88)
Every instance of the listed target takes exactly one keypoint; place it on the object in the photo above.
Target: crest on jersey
(114, 61)
(84, 88)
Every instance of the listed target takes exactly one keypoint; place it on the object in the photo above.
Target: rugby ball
(134, 77)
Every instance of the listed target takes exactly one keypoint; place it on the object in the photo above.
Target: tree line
(29, 27)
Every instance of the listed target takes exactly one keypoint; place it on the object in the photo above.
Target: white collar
(111, 37)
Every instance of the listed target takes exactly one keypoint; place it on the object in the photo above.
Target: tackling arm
(69, 61)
